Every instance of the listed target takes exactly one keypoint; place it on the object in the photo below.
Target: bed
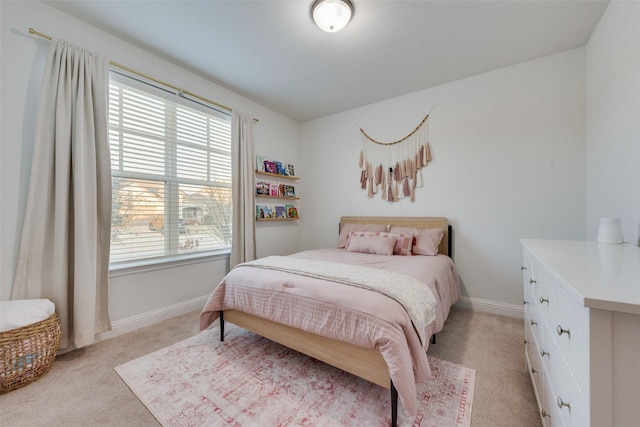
(369, 333)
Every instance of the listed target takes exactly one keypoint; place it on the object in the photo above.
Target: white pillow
(23, 312)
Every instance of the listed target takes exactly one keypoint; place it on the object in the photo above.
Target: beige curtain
(243, 240)
(64, 248)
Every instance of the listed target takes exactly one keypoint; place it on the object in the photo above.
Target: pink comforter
(346, 313)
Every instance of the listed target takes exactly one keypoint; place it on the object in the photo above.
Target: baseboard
(120, 327)
(510, 310)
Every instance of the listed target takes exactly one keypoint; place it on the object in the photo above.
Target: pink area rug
(248, 380)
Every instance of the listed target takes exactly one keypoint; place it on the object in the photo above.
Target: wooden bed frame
(363, 362)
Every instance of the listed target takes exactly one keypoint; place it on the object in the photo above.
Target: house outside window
(171, 175)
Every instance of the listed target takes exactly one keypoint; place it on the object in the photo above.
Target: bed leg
(394, 406)
(433, 339)
(221, 325)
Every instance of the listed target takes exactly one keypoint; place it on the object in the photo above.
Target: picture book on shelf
(263, 212)
(273, 190)
(262, 188)
(280, 212)
(288, 190)
(289, 169)
(280, 170)
(270, 167)
(260, 163)
(292, 211)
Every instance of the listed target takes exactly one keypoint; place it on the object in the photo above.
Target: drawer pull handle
(522, 267)
(543, 300)
(563, 331)
(544, 414)
(531, 281)
(543, 353)
(532, 323)
(562, 403)
(526, 342)
(525, 302)
(533, 371)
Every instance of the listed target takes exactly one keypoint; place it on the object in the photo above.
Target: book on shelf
(260, 163)
(289, 169)
(280, 170)
(280, 212)
(292, 211)
(273, 190)
(262, 188)
(264, 212)
(287, 190)
(270, 167)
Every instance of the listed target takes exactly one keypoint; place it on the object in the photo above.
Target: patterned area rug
(248, 380)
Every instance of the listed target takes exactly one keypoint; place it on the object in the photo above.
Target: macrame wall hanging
(393, 168)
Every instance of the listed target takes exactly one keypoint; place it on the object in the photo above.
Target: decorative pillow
(404, 244)
(404, 241)
(347, 228)
(377, 245)
(426, 241)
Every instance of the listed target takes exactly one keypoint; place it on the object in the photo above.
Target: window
(170, 172)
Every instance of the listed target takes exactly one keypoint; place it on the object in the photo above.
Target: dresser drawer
(571, 334)
(547, 299)
(568, 398)
(534, 322)
(535, 373)
(535, 367)
(550, 412)
(533, 281)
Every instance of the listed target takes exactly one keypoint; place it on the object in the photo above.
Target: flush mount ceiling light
(331, 15)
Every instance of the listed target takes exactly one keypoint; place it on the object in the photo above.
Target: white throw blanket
(415, 296)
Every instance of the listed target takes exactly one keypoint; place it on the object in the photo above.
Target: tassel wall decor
(386, 166)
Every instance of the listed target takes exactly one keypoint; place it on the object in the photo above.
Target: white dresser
(582, 331)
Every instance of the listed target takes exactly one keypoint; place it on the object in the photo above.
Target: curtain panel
(243, 239)
(65, 242)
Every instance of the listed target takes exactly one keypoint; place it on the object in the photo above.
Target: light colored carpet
(248, 380)
(82, 388)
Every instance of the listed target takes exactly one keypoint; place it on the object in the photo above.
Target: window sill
(125, 268)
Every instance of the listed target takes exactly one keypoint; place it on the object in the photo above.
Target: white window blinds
(171, 175)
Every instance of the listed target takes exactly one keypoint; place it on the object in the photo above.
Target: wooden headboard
(418, 222)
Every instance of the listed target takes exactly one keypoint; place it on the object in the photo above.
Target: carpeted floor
(82, 388)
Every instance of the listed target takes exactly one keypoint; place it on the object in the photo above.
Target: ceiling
(271, 52)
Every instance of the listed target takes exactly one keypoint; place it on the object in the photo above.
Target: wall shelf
(264, 196)
(283, 196)
(277, 175)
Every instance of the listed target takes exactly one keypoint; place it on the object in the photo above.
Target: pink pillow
(377, 245)
(403, 245)
(347, 228)
(427, 240)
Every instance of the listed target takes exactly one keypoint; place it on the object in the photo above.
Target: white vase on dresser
(582, 331)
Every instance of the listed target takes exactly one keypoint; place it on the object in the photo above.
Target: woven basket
(27, 353)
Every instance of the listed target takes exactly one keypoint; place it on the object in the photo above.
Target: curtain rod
(146, 76)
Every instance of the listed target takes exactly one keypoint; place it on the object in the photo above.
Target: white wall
(147, 294)
(508, 163)
(613, 120)
(510, 158)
